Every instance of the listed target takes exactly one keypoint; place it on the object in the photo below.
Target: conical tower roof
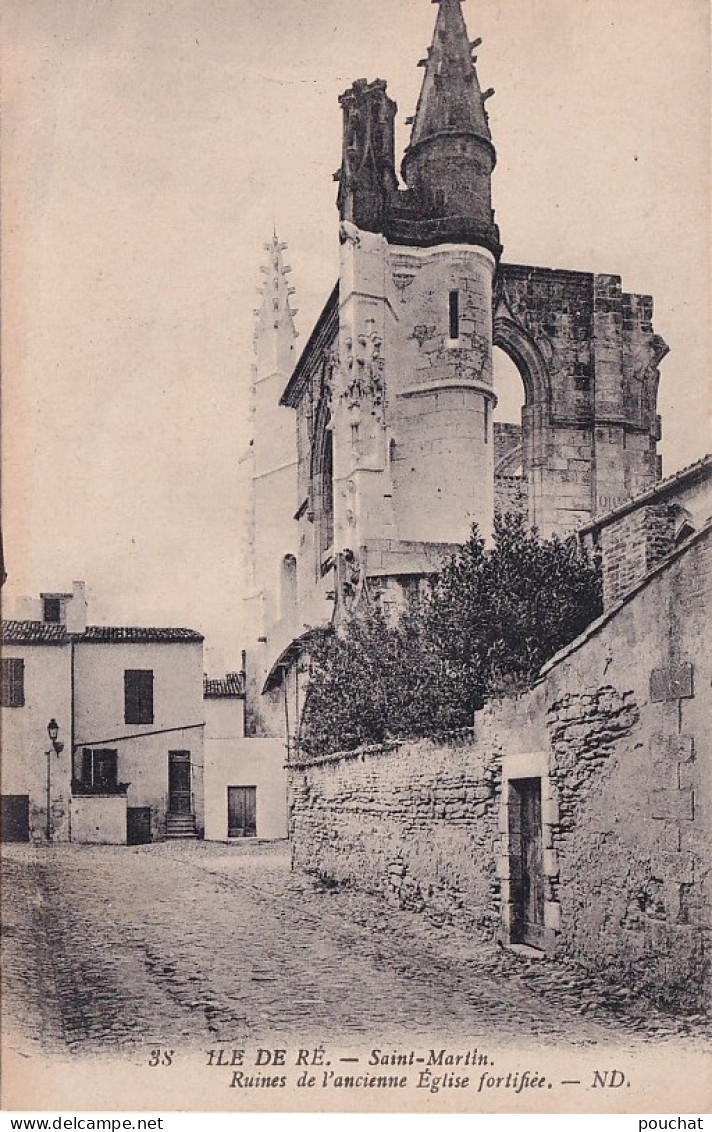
(451, 101)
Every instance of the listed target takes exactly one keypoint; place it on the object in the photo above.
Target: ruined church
(375, 449)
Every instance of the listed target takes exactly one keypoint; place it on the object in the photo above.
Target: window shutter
(146, 696)
(87, 776)
(131, 702)
(138, 695)
(13, 682)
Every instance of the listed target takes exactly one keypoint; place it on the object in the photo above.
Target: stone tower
(411, 390)
(273, 472)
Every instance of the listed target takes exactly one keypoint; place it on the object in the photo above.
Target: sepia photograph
(356, 539)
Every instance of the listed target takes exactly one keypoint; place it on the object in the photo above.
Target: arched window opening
(326, 494)
(511, 487)
(288, 585)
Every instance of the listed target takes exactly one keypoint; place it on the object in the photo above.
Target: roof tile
(40, 632)
(232, 684)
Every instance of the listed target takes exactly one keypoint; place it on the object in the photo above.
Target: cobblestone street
(110, 949)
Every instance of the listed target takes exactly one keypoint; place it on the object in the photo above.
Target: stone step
(180, 827)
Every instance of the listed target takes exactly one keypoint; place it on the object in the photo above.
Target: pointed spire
(275, 332)
(450, 99)
(448, 164)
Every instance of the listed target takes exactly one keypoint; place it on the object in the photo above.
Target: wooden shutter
(13, 682)
(145, 696)
(138, 695)
(105, 769)
(87, 776)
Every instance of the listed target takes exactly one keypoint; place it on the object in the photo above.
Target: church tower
(413, 398)
(272, 534)
(387, 457)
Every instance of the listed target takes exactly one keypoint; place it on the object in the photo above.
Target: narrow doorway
(179, 799)
(526, 861)
(138, 825)
(15, 817)
(242, 811)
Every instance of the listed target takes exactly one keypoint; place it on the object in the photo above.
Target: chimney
(77, 609)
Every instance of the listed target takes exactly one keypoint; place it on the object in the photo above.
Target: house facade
(245, 780)
(127, 763)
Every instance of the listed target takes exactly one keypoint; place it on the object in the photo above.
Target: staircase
(180, 826)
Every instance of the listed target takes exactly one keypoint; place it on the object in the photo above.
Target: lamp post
(57, 747)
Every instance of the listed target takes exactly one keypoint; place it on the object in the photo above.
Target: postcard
(356, 528)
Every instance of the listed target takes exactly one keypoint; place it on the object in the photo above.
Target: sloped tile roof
(43, 633)
(33, 632)
(123, 633)
(232, 685)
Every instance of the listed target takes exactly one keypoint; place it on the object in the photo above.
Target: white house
(102, 727)
(245, 779)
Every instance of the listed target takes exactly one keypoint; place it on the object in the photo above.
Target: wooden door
(179, 791)
(15, 817)
(138, 825)
(526, 862)
(242, 811)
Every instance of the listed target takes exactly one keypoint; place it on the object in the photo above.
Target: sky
(150, 146)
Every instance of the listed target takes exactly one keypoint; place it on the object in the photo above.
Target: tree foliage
(491, 618)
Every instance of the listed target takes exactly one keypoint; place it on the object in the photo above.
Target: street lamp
(57, 747)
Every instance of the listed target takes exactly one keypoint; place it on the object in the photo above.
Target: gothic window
(288, 585)
(326, 478)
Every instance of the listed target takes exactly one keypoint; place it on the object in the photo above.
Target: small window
(13, 682)
(138, 695)
(52, 610)
(486, 419)
(454, 314)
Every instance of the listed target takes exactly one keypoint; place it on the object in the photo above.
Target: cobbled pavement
(112, 949)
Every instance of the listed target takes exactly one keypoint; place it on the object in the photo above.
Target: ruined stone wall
(632, 544)
(634, 836)
(415, 822)
(618, 731)
(510, 495)
(589, 360)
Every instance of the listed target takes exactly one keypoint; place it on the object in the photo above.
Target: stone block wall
(589, 360)
(415, 822)
(510, 495)
(631, 545)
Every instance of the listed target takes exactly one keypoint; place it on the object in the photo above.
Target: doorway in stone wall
(526, 861)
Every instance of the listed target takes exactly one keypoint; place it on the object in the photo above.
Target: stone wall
(589, 358)
(510, 495)
(617, 731)
(415, 822)
(631, 545)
